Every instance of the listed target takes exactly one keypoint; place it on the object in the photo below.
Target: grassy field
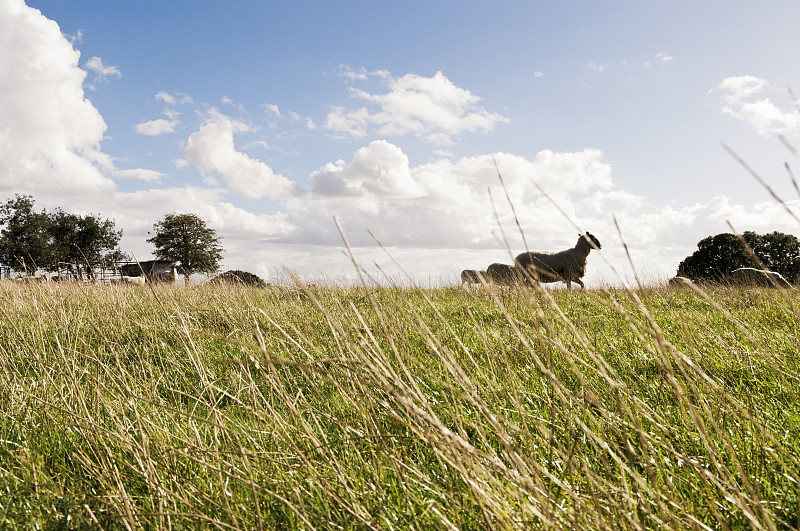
(388, 408)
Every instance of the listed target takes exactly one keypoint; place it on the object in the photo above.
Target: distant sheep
(759, 277)
(170, 277)
(133, 281)
(29, 279)
(470, 276)
(503, 274)
(564, 266)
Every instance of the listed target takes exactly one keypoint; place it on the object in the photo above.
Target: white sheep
(134, 281)
(503, 274)
(470, 276)
(759, 277)
(31, 278)
(564, 266)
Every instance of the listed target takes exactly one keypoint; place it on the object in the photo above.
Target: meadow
(298, 407)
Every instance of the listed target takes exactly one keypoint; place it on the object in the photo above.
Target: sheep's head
(592, 240)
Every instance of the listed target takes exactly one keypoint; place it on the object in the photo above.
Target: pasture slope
(224, 407)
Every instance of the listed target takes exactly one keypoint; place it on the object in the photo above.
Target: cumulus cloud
(49, 132)
(431, 108)
(743, 97)
(212, 150)
(443, 203)
(380, 169)
(156, 127)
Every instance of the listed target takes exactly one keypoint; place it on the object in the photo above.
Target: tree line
(32, 241)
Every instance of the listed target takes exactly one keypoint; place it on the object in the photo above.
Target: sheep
(759, 277)
(470, 276)
(134, 281)
(170, 277)
(31, 278)
(679, 282)
(503, 274)
(567, 266)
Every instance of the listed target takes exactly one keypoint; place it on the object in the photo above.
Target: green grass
(388, 408)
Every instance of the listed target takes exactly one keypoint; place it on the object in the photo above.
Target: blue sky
(269, 118)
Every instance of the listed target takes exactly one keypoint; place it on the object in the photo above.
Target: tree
(33, 240)
(185, 240)
(86, 241)
(717, 256)
(24, 240)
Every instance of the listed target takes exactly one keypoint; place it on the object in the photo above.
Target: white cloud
(272, 109)
(165, 97)
(49, 132)
(663, 59)
(433, 109)
(594, 65)
(156, 127)
(380, 169)
(227, 101)
(538, 74)
(346, 72)
(742, 97)
(212, 150)
(443, 203)
(176, 99)
(102, 72)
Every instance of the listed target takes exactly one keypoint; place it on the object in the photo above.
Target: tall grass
(387, 408)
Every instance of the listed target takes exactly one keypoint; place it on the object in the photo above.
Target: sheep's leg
(580, 282)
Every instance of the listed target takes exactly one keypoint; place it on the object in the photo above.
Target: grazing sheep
(133, 281)
(567, 266)
(503, 274)
(470, 276)
(679, 282)
(170, 277)
(759, 277)
(29, 279)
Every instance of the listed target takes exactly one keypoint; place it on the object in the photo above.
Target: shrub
(237, 276)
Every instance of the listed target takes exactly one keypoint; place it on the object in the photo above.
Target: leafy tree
(716, 256)
(84, 241)
(185, 240)
(237, 276)
(24, 240)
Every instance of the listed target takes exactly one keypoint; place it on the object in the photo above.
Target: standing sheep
(567, 266)
(470, 276)
(503, 274)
